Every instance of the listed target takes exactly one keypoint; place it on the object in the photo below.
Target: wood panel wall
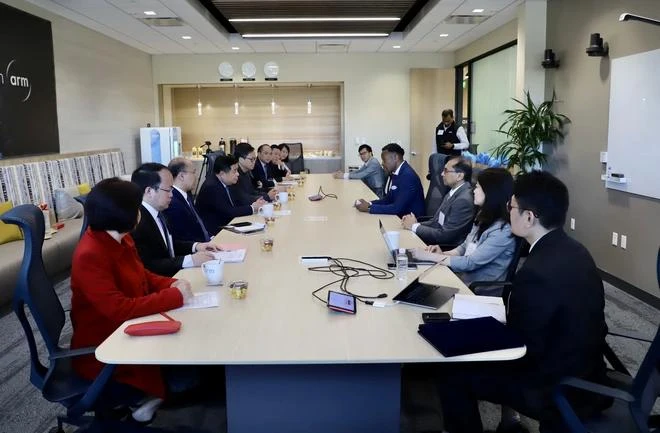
(320, 130)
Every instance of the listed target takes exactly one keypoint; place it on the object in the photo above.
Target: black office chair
(437, 188)
(632, 405)
(296, 161)
(57, 381)
(81, 199)
(498, 288)
(210, 161)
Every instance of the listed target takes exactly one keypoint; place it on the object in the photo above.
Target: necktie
(161, 219)
(199, 220)
(388, 184)
(229, 195)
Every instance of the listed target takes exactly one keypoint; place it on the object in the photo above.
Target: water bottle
(402, 264)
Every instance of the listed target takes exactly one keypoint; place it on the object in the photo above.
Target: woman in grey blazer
(487, 251)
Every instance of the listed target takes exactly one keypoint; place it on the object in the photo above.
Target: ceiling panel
(265, 46)
(299, 46)
(365, 45)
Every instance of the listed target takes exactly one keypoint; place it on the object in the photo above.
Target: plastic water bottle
(402, 264)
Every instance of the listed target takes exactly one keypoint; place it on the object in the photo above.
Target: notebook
(470, 307)
(462, 337)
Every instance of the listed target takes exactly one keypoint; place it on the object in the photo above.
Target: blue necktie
(199, 220)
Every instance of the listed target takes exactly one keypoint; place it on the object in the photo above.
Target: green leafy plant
(526, 128)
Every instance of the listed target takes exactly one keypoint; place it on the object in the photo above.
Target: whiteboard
(633, 142)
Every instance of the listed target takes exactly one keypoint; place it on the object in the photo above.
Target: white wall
(104, 88)
(376, 86)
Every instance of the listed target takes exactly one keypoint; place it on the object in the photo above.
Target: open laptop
(393, 252)
(425, 295)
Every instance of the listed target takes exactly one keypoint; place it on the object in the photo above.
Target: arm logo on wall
(20, 82)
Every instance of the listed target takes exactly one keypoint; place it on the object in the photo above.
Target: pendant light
(199, 101)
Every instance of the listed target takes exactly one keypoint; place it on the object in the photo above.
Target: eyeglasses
(166, 190)
(251, 159)
(444, 170)
(509, 207)
(364, 153)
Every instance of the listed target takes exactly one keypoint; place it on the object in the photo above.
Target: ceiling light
(315, 35)
(396, 46)
(186, 37)
(150, 13)
(444, 35)
(235, 48)
(477, 11)
(307, 20)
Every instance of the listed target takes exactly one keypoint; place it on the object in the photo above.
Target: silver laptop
(393, 251)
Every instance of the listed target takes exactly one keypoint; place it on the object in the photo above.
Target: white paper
(251, 227)
(202, 300)
(235, 256)
(471, 306)
(288, 183)
(441, 219)
(284, 212)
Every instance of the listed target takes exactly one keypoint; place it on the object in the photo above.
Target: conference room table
(291, 364)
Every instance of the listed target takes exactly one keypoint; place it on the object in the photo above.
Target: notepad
(254, 227)
(284, 212)
(470, 307)
(202, 300)
(230, 256)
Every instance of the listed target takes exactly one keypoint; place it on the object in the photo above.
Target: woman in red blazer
(110, 285)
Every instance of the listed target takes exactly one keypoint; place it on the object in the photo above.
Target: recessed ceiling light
(235, 48)
(444, 35)
(396, 46)
(186, 37)
(315, 35)
(150, 13)
(309, 19)
(477, 11)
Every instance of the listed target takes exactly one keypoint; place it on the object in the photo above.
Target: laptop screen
(385, 238)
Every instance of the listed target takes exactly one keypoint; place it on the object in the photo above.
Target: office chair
(57, 381)
(81, 199)
(497, 288)
(296, 161)
(437, 188)
(632, 406)
(209, 161)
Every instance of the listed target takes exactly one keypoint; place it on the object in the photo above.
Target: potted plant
(527, 128)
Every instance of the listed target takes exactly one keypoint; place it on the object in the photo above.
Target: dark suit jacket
(181, 220)
(406, 195)
(277, 173)
(153, 249)
(265, 177)
(557, 305)
(245, 191)
(459, 215)
(215, 208)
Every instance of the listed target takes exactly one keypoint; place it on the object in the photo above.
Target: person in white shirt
(371, 172)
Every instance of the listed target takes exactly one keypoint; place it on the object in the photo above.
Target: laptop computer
(411, 259)
(425, 295)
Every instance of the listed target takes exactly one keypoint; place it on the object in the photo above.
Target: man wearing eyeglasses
(556, 304)
(161, 252)
(371, 172)
(453, 219)
(247, 189)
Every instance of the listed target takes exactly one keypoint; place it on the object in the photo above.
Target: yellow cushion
(8, 232)
(84, 188)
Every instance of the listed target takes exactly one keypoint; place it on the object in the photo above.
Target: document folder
(462, 337)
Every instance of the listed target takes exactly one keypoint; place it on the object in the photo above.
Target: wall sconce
(309, 99)
(597, 48)
(549, 60)
(235, 100)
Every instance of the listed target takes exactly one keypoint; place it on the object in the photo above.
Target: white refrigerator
(160, 144)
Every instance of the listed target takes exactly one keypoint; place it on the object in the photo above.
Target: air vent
(332, 48)
(163, 22)
(466, 19)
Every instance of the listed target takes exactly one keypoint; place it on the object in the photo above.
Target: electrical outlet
(572, 223)
(624, 241)
(615, 239)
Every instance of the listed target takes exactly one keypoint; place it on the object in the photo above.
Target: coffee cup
(267, 210)
(393, 239)
(213, 270)
(283, 196)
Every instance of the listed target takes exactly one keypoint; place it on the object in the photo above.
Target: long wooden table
(291, 364)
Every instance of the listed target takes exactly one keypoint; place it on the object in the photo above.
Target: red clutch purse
(156, 327)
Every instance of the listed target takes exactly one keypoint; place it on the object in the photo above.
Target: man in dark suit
(556, 305)
(405, 194)
(262, 168)
(247, 190)
(215, 202)
(160, 252)
(182, 218)
(453, 220)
